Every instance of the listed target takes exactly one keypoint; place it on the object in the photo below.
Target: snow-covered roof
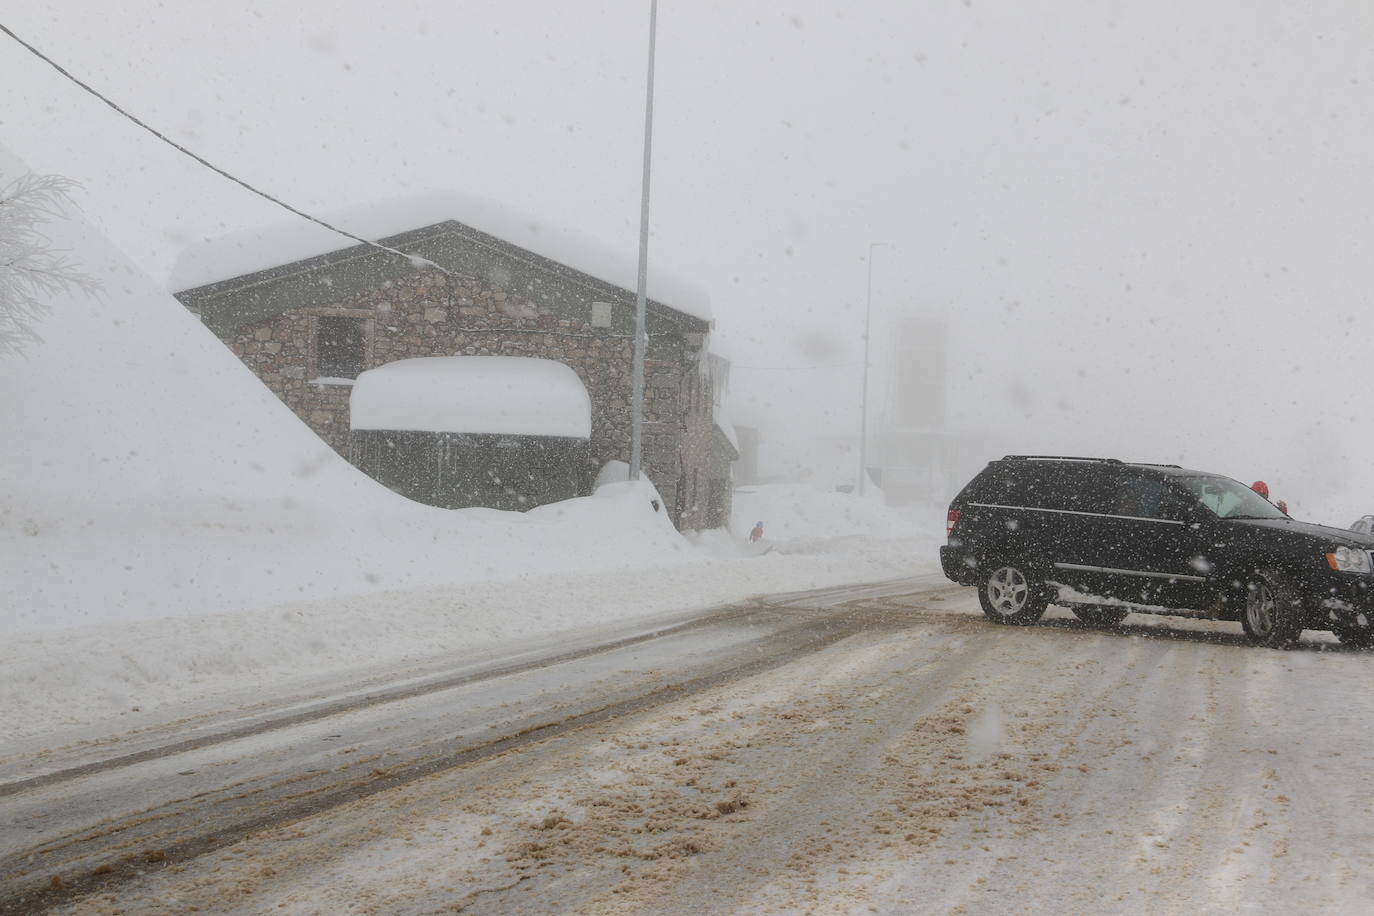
(250, 251)
(500, 395)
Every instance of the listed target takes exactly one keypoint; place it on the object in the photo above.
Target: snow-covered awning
(499, 395)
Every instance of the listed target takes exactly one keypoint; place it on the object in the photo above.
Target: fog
(1144, 228)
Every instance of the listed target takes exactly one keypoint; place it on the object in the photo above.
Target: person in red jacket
(1262, 488)
(757, 533)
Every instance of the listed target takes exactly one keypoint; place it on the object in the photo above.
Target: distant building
(722, 450)
(310, 327)
(835, 462)
(913, 451)
(746, 470)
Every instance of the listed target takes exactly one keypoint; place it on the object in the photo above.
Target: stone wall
(507, 314)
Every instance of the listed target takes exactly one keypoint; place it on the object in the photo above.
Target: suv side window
(1068, 486)
(1072, 486)
(1147, 497)
(1141, 497)
(1039, 489)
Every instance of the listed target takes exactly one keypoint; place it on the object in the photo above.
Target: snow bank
(558, 569)
(612, 472)
(801, 510)
(247, 252)
(803, 522)
(99, 679)
(500, 395)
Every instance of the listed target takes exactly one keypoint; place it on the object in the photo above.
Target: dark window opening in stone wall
(457, 471)
(339, 344)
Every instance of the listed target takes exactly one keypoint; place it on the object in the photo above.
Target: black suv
(1104, 538)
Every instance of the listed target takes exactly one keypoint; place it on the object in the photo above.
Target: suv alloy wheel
(1272, 616)
(1011, 596)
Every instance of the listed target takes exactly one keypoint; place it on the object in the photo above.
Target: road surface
(873, 749)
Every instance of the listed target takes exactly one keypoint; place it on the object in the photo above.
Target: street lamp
(641, 295)
(863, 409)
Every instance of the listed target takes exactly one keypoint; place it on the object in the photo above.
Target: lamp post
(863, 408)
(641, 295)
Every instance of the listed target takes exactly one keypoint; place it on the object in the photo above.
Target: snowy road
(852, 750)
(96, 811)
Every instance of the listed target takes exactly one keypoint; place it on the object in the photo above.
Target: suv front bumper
(1341, 599)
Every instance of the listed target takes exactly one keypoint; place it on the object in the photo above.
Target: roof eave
(202, 299)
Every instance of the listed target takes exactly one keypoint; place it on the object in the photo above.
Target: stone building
(308, 328)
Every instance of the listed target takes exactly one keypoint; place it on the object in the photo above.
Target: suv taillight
(951, 520)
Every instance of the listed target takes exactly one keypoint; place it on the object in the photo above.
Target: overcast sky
(1148, 223)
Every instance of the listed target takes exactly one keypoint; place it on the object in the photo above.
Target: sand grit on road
(932, 763)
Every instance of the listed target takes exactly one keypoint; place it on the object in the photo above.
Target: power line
(416, 260)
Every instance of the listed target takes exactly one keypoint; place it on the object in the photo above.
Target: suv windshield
(1226, 498)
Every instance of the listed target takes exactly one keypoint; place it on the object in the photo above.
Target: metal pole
(863, 408)
(641, 296)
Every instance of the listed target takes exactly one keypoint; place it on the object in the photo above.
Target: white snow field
(169, 531)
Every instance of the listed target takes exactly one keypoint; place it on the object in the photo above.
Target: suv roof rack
(1059, 458)
(1144, 464)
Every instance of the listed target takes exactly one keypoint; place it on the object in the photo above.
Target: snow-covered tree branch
(32, 272)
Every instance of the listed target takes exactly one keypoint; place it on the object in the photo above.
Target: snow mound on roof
(259, 249)
(501, 395)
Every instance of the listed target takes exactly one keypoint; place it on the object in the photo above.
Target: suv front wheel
(1272, 616)
(1010, 596)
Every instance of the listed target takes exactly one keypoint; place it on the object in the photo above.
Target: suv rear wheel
(1011, 596)
(1272, 616)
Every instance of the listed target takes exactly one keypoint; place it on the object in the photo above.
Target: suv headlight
(1350, 559)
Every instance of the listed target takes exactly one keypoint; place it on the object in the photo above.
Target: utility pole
(641, 296)
(863, 409)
